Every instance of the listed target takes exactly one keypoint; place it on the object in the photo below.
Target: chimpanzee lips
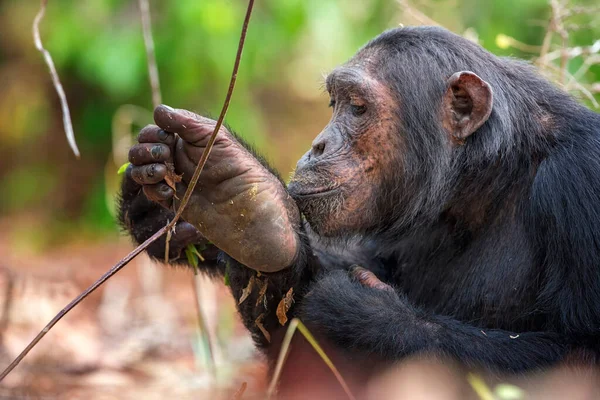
(296, 190)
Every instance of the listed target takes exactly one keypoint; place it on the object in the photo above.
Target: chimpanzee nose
(324, 144)
(318, 147)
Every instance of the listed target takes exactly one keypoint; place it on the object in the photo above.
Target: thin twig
(156, 101)
(296, 324)
(545, 46)
(213, 137)
(55, 79)
(416, 14)
(524, 47)
(167, 243)
(240, 392)
(150, 53)
(8, 301)
(575, 85)
(124, 261)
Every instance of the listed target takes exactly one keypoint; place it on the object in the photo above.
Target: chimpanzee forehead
(345, 77)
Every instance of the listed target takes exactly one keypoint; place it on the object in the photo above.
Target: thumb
(191, 127)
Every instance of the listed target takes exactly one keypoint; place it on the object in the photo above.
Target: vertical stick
(150, 53)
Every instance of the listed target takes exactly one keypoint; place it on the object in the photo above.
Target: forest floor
(137, 337)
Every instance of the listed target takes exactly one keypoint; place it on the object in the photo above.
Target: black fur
(493, 246)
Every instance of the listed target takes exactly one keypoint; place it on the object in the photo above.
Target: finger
(185, 233)
(367, 278)
(155, 134)
(160, 193)
(148, 153)
(129, 184)
(191, 127)
(149, 174)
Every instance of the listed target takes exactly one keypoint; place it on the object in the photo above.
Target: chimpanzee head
(402, 110)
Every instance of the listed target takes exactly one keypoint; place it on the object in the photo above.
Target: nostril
(318, 149)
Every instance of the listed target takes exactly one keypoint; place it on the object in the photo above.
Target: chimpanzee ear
(467, 104)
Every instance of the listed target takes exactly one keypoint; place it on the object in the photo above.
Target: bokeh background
(57, 224)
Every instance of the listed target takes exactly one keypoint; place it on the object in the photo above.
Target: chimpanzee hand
(238, 204)
(355, 310)
(142, 218)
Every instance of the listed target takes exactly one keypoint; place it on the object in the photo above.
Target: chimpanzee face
(337, 181)
(353, 179)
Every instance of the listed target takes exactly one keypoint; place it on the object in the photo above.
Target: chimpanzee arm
(383, 322)
(259, 307)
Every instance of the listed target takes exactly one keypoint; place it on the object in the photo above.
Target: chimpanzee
(450, 207)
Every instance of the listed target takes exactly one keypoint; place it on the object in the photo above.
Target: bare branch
(55, 79)
(150, 53)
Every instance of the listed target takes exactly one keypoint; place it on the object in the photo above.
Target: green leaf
(123, 168)
(192, 258)
(194, 250)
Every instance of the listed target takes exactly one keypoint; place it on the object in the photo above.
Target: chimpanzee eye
(358, 110)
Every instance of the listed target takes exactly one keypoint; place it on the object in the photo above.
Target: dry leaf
(247, 290)
(260, 326)
(284, 306)
(172, 178)
(262, 293)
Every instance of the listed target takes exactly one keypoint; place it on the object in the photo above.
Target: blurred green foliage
(278, 105)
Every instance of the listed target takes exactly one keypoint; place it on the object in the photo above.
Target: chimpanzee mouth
(295, 191)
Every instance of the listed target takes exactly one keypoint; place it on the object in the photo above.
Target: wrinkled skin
(236, 200)
(337, 182)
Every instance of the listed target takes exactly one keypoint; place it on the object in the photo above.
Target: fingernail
(151, 170)
(162, 135)
(156, 151)
(164, 189)
(168, 108)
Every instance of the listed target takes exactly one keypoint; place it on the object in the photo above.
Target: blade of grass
(294, 325)
(480, 387)
(201, 317)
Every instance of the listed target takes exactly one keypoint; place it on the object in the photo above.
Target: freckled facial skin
(336, 183)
